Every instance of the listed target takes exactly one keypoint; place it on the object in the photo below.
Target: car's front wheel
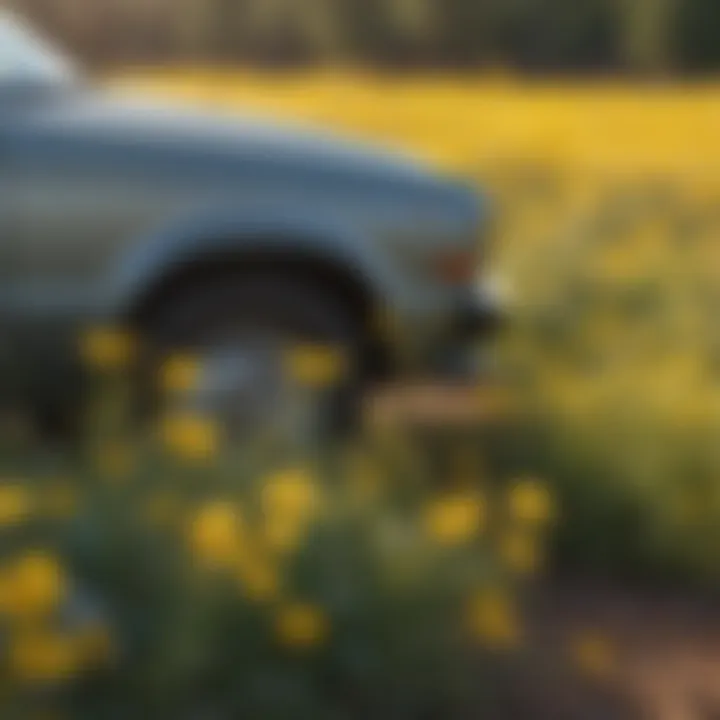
(274, 354)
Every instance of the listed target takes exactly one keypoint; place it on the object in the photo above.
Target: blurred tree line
(639, 36)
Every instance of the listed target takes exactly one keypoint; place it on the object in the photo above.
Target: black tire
(200, 315)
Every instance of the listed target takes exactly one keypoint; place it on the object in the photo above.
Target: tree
(697, 35)
(646, 31)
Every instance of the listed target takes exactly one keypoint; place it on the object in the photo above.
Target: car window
(24, 56)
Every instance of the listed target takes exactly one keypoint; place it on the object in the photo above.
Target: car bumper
(455, 383)
(466, 353)
(457, 387)
(482, 314)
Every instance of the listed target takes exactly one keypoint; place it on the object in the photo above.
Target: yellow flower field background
(177, 573)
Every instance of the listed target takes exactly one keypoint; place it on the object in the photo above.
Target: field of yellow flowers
(607, 235)
(171, 575)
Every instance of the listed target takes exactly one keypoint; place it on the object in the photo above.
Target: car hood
(122, 128)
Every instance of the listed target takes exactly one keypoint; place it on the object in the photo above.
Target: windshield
(24, 57)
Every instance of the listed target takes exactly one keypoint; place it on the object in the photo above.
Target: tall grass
(169, 572)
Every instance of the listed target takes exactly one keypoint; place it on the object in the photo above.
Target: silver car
(228, 237)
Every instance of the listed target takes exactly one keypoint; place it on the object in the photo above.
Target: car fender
(154, 256)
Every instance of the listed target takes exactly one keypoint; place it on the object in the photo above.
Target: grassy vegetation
(173, 575)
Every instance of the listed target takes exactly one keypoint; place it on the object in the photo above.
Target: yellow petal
(107, 348)
(16, 504)
(455, 519)
(34, 585)
(190, 437)
(291, 494)
(593, 654)
(531, 502)
(521, 551)
(179, 374)
(215, 534)
(42, 656)
(301, 625)
(316, 366)
(494, 620)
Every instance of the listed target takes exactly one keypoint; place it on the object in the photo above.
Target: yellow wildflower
(33, 586)
(301, 625)
(493, 619)
(190, 437)
(521, 551)
(290, 495)
(316, 366)
(179, 374)
(42, 656)
(259, 579)
(530, 502)
(455, 519)
(16, 504)
(594, 654)
(215, 534)
(107, 348)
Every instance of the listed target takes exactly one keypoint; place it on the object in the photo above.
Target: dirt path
(666, 650)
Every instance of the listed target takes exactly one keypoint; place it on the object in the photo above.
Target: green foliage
(641, 36)
(614, 356)
(236, 583)
(698, 28)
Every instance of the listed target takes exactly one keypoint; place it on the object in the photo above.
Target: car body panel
(101, 195)
(89, 184)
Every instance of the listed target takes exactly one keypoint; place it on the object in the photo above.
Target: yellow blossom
(521, 551)
(190, 437)
(290, 495)
(16, 504)
(34, 585)
(259, 579)
(37, 656)
(107, 348)
(301, 625)
(455, 519)
(179, 374)
(316, 366)
(493, 619)
(215, 534)
(531, 502)
(593, 653)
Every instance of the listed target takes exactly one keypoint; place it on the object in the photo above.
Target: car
(230, 238)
